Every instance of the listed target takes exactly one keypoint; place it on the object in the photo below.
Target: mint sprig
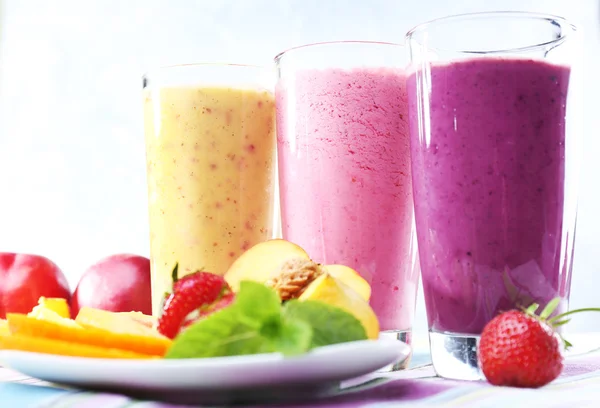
(257, 323)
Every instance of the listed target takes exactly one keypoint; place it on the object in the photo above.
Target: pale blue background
(72, 170)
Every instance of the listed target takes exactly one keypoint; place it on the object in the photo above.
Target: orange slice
(100, 337)
(64, 348)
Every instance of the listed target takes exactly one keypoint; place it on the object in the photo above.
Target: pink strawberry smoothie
(489, 177)
(345, 182)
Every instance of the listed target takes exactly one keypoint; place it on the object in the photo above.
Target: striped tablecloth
(578, 386)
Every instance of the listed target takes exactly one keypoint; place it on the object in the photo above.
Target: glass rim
(162, 68)
(325, 43)
(525, 15)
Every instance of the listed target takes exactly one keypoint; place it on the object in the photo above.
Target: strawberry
(221, 303)
(191, 293)
(521, 349)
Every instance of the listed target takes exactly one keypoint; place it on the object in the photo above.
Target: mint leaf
(221, 334)
(288, 336)
(252, 324)
(257, 302)
(257, 323)
(330, 324)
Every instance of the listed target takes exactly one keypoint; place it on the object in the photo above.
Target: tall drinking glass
(344, 167)
(210, 149)
(494, 140)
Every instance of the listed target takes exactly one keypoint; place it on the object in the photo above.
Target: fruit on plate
(351, 278)
(25, 278)
(57, 305)
(146, 320)
(93, 327)
(335, 292)
(4, 328)
(194, 296)
(257, 322)
(118, 283)
(38, 344)
(266, 261)
(262, 262)
(521, 349)
(288, 269)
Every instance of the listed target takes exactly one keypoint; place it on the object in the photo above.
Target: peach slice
(262, 262)
(334, 292)
(351, 278)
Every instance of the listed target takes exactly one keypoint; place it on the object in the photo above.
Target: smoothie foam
(345, 179)
(489, 176)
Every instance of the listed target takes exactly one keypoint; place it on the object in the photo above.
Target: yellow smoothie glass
(210, 152)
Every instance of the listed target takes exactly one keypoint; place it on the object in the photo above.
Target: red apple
(118, 283)
(25, 278)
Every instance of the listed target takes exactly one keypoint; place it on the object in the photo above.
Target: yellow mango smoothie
(210, 166)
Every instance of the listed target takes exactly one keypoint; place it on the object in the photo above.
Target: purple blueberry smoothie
(488, 180)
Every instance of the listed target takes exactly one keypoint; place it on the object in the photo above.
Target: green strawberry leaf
(550, 307)
(532, 309)
(330, 324)
(221, 334)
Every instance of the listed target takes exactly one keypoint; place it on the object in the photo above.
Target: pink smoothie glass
(494, 124)
(344, 168)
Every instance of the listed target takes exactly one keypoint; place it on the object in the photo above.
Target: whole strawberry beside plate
(519, 348)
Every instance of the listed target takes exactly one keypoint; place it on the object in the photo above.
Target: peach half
(265, 260)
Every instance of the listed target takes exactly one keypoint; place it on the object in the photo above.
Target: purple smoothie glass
(494, 127)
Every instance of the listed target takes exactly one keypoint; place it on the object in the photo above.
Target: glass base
(454, 355)
(404, 336)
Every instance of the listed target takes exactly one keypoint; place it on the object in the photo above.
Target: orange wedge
(114, 336)
(50, 346)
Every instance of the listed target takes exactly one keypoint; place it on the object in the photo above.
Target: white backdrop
(72, 170)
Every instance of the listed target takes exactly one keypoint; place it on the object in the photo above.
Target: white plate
(215, 380)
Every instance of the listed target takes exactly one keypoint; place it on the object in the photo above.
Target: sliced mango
(64, 330)
(262, 262)
(332, 291)
(56, 305)
(52, 346)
